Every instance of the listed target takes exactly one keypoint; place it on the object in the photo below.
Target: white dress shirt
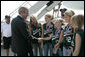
(6, 29)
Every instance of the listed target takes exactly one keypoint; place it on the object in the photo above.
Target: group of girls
(59, 41)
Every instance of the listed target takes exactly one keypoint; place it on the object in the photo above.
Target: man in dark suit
(21, 39)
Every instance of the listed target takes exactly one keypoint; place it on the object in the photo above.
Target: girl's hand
(40, 40)
(56, 45)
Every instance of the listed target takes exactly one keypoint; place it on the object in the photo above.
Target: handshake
(40, 40)
(37, 39)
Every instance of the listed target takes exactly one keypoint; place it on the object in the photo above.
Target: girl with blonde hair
(56, 37)
(47, 30)
(36, 30)
(68, 36)
(77, 22)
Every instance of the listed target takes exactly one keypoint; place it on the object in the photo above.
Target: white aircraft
(40, 8)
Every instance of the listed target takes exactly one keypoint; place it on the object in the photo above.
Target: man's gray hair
(22, 9)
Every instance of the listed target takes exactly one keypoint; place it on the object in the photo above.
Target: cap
(64, 9)
(6, 17)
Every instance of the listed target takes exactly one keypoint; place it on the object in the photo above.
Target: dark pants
(22, 54)
(31, 52)
(7, 42)
(25, 53)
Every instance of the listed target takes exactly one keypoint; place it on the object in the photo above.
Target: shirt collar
(20, 16)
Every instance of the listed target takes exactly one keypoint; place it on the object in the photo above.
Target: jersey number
(69, 39)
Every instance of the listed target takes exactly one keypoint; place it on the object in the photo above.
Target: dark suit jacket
(21, 39)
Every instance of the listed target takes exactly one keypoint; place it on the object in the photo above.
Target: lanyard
(67, 28)
(48, 27)
(57, 32)
(37, 30)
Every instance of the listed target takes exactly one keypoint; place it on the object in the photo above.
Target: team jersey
(36, 32)
(47, 30)
(81, 33)
(56, 36)
(68, 36)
